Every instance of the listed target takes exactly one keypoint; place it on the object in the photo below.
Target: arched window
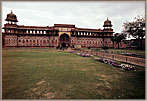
(6, 41)
(44, 42)
(40, 42)
(37, 42)
(30, 42)
(106, 42)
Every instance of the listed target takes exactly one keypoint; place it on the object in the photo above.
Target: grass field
(51, 74)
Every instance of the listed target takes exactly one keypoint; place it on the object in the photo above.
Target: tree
(136, 29)
(118, 37)
(113, 39)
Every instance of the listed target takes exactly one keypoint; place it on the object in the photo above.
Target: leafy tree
(113, 39)
(135, 29)
(118, 37)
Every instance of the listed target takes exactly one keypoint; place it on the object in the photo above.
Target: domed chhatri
(107, 24)
(11, 17)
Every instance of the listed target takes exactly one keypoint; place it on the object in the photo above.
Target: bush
(101, 60)
(131, 54)
(72, 51)
(127, 67)
(84, 55)
(105, 47)
(58, 47)
(89, 47)
(116, 64)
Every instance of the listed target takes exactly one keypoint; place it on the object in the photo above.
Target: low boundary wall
(117, 57)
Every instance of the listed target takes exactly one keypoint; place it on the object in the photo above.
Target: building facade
(64, 35)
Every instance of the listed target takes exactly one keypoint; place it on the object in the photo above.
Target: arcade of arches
(14, 35)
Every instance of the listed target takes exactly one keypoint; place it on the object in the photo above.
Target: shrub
(96, 59)
(84, 55)
(101, 59)
(105, 61)
(116, 64)
(72, 51)
(105, 47)
(131, 54)
(58, 47)
(127, 67)
(78, 53)
(89, 47)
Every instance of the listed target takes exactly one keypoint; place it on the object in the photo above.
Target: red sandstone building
(52, 36)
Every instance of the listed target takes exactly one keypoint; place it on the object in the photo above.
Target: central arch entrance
(64, 41)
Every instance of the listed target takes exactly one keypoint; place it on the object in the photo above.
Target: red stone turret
(107, 24)
(11, 18)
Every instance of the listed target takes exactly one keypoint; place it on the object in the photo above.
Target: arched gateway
(64, 40)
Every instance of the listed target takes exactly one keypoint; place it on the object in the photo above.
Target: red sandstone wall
(91, 42)
(121, 45)
(30, 41)
(108, 42)
(10, 40)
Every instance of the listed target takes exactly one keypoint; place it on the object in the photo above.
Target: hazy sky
(84, 14)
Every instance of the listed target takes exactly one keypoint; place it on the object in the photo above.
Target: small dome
(11, 17)
(107, 23)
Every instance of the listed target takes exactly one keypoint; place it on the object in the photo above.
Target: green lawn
(50, 74)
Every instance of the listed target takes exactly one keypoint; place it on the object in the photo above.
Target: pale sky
(84, 14)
